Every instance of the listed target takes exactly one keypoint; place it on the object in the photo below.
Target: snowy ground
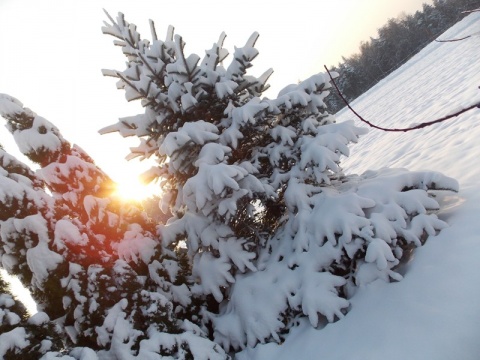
(434, 312)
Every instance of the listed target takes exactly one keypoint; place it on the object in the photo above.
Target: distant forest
(397, 42)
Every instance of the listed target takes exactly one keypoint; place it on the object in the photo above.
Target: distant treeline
(397, 42)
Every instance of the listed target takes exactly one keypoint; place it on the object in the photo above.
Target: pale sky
(52, 53)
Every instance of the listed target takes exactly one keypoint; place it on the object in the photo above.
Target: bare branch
(470, 11)
(416, 127)
(453, 40)
(459, 39)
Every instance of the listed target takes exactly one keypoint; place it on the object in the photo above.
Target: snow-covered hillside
(434, 312)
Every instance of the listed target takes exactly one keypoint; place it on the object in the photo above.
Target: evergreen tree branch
(130, 42)
(416, 127)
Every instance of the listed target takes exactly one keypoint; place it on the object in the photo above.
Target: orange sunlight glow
(133, 189)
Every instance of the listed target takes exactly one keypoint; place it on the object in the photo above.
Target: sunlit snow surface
(434, 312)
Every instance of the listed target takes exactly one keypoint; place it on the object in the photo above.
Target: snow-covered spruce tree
(93, 264)
(272, 227)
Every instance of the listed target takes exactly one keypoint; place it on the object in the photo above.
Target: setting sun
(134, 189)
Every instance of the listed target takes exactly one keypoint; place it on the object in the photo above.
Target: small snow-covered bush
(263, 229)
